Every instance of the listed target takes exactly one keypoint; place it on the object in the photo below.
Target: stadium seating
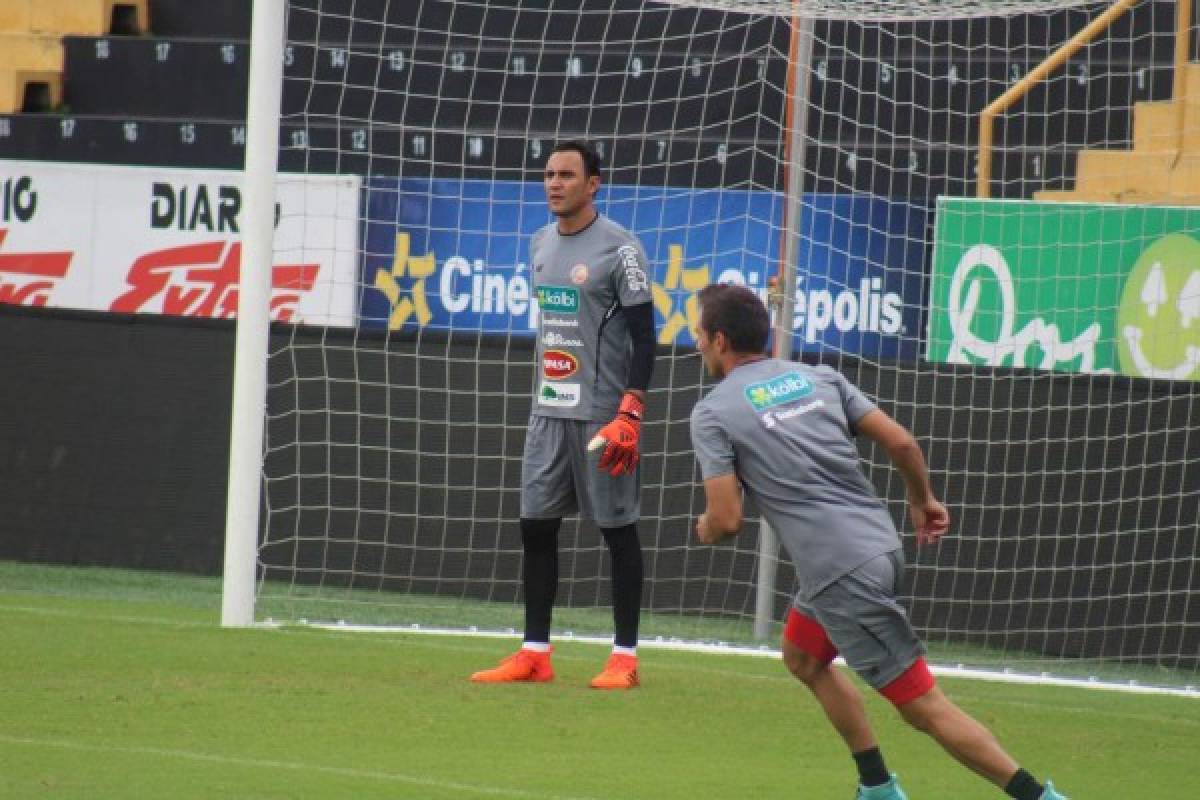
(188, 79)
(1162, 167)
(31, 50)
(95, 17)
(29, 89)
(227, 20)
(372, 85)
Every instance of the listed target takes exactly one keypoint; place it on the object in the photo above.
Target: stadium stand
(367, 90)
(31, 49)
(1158, 169)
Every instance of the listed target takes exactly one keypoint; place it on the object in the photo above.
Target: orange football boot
(621, 672)
(523, 665)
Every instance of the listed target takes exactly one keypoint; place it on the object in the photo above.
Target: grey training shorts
(865, 622)
(559, 477)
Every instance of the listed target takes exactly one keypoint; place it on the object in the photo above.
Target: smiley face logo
(1158, 322)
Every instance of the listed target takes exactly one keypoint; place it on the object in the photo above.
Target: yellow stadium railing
(1093, 29)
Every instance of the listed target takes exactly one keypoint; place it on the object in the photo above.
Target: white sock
(537, 647)
(625, 651)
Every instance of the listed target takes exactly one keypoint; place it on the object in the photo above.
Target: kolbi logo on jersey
(559, 364)
(778, 391)
(558, 299)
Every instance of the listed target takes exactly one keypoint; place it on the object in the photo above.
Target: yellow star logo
(678, 278)
(416, 267)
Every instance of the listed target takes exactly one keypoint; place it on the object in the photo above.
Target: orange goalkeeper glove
(620, 437)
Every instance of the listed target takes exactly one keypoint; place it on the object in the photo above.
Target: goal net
(1037, 330)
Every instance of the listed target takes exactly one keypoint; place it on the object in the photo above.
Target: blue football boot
(1050, 794)
(887, 791)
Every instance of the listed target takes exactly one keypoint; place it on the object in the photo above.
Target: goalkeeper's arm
(640, 319)
(620, 437)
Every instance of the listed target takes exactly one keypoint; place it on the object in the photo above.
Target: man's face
(568, 188)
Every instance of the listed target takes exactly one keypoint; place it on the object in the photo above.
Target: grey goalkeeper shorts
(865, 622)
(559, 477)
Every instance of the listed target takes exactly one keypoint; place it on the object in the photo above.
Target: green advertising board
(1067, 286)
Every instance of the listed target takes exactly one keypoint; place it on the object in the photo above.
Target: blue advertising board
(452, 255)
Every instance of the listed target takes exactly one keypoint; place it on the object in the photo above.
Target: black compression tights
(539, 539)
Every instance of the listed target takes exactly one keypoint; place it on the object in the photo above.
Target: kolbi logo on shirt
(558, 299)
(778, 391)
(559, 364)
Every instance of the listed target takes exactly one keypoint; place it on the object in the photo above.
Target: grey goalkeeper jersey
(787, 431)
(583, 281)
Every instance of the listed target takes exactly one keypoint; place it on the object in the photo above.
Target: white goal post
(1040, 333)
(254, 313)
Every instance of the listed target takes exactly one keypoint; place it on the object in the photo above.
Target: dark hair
(736, 312)
(591, 159)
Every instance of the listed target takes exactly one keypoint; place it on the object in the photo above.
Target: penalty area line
(1001, 675)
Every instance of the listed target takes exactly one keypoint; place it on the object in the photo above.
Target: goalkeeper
(784, 432)
(595, 352)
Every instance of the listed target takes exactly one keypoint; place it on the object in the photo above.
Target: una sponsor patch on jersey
(559, 364)
(559, 395)
(558, 299)
(779, 390)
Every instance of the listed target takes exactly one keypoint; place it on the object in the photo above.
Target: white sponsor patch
(556, 339)
(772, 418)
(558, 395)
(559, 322)
(635, 276)
(636, 280)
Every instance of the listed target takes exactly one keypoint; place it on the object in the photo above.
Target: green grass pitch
(122, 685)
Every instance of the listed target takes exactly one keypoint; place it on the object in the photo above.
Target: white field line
(292, 766)
(943, 670)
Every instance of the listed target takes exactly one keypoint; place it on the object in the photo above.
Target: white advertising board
(166, 241)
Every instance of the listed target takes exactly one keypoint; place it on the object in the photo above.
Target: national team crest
(579, 274)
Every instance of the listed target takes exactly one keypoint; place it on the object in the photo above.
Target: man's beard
(568, 212)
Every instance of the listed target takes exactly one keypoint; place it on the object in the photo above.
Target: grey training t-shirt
(582, 281)
(786, 430)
